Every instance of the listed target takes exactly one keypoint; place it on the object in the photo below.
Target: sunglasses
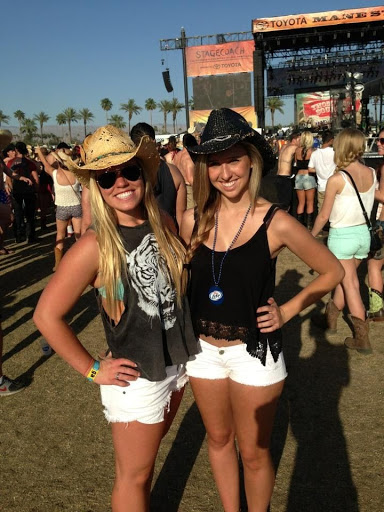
(108, 179)
(381, 140)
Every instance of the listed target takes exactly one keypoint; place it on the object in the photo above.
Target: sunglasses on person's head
(108, 179)
(381, 140)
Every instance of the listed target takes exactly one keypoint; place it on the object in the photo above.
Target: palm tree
(191, 103)
(176, 106)
(150, 104)
(165, 108)
(71, 116)
(117, 121)
(41, 118)
(106, 104)
(3, 118)
(132, 108)
(61, 120)
(274, 103)
(86, 115)
(29, 130)
(20, 116)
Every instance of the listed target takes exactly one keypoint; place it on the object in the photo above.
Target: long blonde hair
(112, 259)
(349, 145)
(208, 198)
(306, 142)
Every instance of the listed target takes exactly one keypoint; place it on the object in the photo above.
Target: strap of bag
(360, 201)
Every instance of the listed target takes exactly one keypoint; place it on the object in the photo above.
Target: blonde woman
(349, 238)
(67, 197)
(234, 238)
(133, 259)
(305, 182)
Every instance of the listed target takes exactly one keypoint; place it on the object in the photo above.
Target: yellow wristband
(93, 371)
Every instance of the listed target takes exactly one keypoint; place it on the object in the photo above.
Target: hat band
(110, 154)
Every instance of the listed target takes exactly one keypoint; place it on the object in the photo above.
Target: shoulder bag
(376, 243)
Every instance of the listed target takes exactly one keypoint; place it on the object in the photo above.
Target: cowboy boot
(300, 218)
(360, 340)
(309, 221)
(376, 309)
(58, 256)
(327, 320)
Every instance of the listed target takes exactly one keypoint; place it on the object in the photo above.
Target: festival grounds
(55, 445)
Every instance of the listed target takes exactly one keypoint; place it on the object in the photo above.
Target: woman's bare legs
(309, 200)
(351, 290)
(61, 231)
(135, 470)
(375, 275)
(300, 201)
(136, 446)
(213, 400)
(254, 411)
(76, 223)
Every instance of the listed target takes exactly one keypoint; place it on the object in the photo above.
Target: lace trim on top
(256, 341)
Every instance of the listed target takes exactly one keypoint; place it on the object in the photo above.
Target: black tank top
(302, 164)
(165, 190)
(247, 281)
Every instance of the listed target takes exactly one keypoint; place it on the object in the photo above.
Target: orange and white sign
(318, 19)
(220, 59)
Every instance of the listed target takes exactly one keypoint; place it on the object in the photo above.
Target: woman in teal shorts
(349, 238)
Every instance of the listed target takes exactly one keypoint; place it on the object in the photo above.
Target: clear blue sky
(73, 53)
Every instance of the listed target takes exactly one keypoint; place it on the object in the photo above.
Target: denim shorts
(348, 243)
(234, 362)
(67, 212)
(304, 182)
(143, 401)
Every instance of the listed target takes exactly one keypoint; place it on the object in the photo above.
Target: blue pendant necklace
(215, 293)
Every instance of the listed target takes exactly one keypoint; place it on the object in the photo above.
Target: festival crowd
(180, 242)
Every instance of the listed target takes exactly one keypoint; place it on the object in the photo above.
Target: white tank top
(346, 211)
(66, 195)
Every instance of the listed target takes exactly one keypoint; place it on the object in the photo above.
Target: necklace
(215, 293)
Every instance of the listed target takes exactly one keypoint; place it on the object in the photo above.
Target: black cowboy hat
(224, 129)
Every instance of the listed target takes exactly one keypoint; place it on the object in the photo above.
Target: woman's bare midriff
(220, 343)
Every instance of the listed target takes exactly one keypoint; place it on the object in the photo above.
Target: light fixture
(358, 88)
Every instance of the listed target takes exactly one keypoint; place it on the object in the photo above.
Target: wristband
(93, 371)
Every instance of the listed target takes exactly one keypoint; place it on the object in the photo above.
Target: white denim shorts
(235, 363)
(142, 400)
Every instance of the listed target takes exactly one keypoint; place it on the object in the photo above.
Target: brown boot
(58, 256)
(360, 341)
(327, 320)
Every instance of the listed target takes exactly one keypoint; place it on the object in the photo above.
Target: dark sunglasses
(381, 140)
(108, 179)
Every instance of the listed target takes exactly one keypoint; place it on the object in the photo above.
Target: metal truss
(183, 42)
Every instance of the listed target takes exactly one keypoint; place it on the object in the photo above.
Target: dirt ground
(55, 445)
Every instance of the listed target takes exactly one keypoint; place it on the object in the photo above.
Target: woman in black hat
(134, 260)
(234, 237)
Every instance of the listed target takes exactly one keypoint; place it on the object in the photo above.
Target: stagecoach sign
(318, 19)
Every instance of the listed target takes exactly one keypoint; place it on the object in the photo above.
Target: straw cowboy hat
(224, 129)
(110, 147)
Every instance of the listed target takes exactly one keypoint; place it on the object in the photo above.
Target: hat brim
(146, 152)
(222, 143)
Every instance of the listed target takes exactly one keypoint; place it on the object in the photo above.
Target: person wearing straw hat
(234, 237)
(134, 260)
(67, 198)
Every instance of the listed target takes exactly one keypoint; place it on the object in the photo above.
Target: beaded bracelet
(93, 371)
